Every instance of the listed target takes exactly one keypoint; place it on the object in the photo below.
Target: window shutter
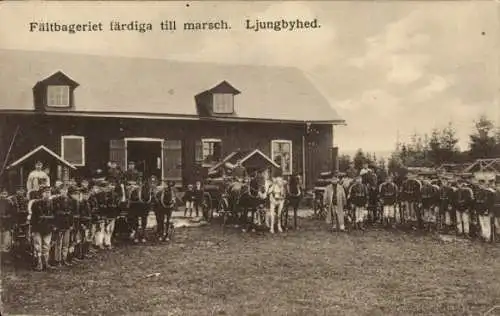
(198, 151)
(172, 159)
(117, 152)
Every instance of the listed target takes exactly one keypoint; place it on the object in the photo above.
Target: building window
(223, 103)
(58, 96)
(281, 153)
(73, 149)
(209, 151)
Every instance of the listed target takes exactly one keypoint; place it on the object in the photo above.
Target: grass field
(309, 272)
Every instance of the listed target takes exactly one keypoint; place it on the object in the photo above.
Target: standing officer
(42, 223)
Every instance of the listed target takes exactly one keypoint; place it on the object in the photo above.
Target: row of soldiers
(67, 223)
(467, 207)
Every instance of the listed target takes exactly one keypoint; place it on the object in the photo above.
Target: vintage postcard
(250, 158)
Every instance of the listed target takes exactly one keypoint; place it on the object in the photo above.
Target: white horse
(276, 192)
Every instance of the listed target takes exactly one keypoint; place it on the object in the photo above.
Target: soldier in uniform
(484, 203)
(42, 223)
(429, 195)
(132, 174)
(388, 192)
(102, 203)
(22, 228)
(465, 203)
(358, 198)
(118, 199)
(64, 227)
(7, 217)
(445, 206)
(411, 195)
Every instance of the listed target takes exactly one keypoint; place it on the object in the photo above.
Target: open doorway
(146, 155)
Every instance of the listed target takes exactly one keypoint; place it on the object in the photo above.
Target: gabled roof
(124, 86)
(242, 156)
(41, 148)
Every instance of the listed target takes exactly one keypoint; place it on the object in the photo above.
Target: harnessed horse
(277, 194)
(294, 195)
(138, 199)
(111, 199)
(163, 204)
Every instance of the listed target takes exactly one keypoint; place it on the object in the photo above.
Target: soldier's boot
(46, 264)
(38, 264)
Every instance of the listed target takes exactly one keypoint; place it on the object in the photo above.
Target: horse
(111, 198)
(294, 194)
(277, 195)
(238, 201)
(138, 198)
(163, 204)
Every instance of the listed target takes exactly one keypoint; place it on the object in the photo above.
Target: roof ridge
(145, 58)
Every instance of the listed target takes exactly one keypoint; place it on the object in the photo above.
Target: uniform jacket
(42, 215)
(63, 212)
(465, 198)
(388, 193)
(411, 190)
(358, 194)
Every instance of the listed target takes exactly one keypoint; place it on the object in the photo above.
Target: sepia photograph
(250, 158)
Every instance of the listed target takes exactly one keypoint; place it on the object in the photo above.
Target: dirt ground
(208, 271)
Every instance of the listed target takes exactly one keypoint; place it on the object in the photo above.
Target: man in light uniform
(36, 178)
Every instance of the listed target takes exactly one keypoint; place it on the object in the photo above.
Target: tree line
(433, 149)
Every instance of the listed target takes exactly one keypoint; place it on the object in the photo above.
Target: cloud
(436, 84)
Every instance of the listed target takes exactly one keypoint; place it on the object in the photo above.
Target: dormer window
(223, 103)
(58, 96)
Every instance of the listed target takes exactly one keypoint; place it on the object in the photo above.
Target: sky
(387, 68)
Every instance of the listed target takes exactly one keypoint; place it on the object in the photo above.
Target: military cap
(131, 162)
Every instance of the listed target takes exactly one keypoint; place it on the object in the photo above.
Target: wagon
(220, 178)
(214, 197)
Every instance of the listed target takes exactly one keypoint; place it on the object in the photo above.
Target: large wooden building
(174, 119)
